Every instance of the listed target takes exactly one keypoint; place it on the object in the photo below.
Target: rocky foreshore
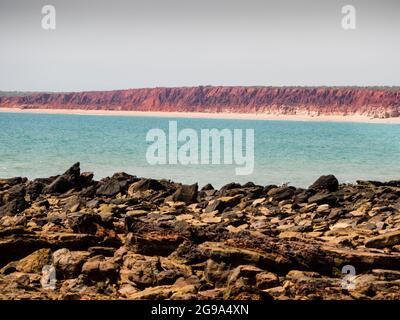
(127, 237)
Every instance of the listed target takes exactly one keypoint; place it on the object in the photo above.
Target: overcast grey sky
(119, 44)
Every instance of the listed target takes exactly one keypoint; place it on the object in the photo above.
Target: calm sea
(41, 145)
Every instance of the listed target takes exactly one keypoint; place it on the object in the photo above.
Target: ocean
(297, 153)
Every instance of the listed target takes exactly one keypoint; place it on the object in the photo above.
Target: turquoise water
(40, 145)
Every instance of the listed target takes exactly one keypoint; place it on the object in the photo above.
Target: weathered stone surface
(35, 262)
(328, 182)
(162, 292)
(130, 238)
(384, 240)
(68, 263)
(66, 181)
(186, 193)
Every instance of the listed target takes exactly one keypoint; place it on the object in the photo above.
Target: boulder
(145, 184)
(323, 198)
(65, 182)
(281, 193)
(35, 262)
(328, 182)
(186, 193)
(68, 263)
(222, 203)
(109, 188)
(82, 222)
(13, 207)
(100, 268)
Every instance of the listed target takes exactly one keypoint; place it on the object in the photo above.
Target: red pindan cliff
(373, 102)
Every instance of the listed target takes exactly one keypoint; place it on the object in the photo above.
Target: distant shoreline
(208, 115)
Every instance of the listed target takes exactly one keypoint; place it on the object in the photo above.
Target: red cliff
(373, 102)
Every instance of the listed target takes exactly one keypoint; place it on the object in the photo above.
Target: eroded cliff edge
(372, 102)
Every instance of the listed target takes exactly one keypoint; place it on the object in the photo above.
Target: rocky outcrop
(372, 102)
(126, 237)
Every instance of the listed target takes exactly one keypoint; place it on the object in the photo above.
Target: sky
(121, 44)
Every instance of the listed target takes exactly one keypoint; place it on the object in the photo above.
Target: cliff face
(382, 102)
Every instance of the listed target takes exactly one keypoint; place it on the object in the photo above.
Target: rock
(387, 275)
(13, 207)
(282, 193)
(15, 192)
(186, 193)
(68, 263)
(151, 238)
(216, 272)
(86, 179)
(162, 292)
(212, 294)
(242, 291)
(323, 198)
(34, 189)
(266, 280)
(99, 268)
(211, 219)
(328, 182)
(104, 251)
(11, 181)
(222, 203)
(208, 186)
(35, 262)
(323, 208)
(109, 188)
(384, 240)
(83, 222)
(145, 184)
(237, 256)
(68, 180)
(161, 243)
(244, 271)
(141, 270)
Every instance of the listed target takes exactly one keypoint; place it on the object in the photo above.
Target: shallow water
(40, 145)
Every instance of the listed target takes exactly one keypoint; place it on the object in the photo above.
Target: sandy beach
(206, 115)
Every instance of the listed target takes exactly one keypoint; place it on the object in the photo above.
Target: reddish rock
(380, 102)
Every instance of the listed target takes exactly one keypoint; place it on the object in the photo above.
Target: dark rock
(88, 192)
(282, 193)
(34, 189)
(186, 193)
(303, 196)
(13, 207)
(223, 202)
(11, 181)
(83, 222)
(65, 182)
(109, 188)
(15, 192)
(323, 198)
(227, 187)
(86, 179)
(100, 268)
(328, 182)
(104, 251)
(147, 184)
(207, 187)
